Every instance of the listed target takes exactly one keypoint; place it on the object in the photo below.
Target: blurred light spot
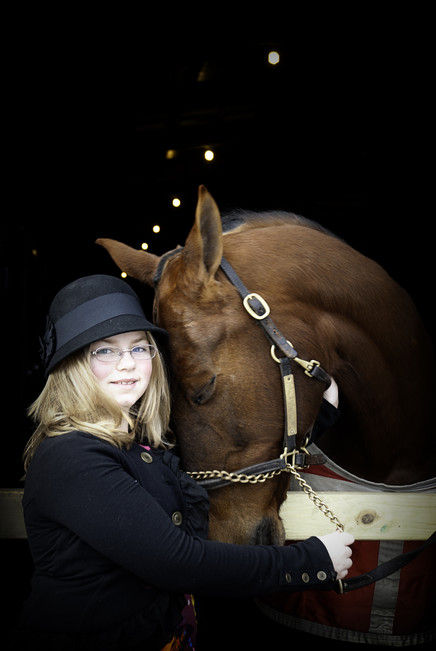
(144, 246)
(273, 57)
(123, 274)
(156, 228)
(209, 155)
(171, 153)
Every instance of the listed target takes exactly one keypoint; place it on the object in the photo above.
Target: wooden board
(368, 516)
(11, 513)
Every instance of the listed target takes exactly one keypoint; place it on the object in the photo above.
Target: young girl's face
(126, 378)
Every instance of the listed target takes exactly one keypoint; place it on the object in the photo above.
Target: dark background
(340, 131)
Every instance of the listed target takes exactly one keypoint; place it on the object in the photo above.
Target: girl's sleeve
(86, 490)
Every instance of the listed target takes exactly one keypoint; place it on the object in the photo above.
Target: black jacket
(117, 537)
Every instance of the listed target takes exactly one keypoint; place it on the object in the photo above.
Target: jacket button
(288, 577)
(321, 575)
(145, 456)
(177, 518)
(305, 577)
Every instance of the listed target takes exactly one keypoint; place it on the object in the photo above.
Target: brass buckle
(293, 454)
(308, 366)
(273, 352)
(250, 310)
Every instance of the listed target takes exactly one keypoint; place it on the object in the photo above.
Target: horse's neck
(384, 432)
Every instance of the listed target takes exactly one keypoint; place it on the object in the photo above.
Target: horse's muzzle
(269, 531)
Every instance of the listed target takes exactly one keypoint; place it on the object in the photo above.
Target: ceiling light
(273, 57)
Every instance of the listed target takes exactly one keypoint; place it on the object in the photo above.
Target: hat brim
(109, 328)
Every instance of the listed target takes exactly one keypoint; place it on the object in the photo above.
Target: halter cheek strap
(259, 309)
(162, 262)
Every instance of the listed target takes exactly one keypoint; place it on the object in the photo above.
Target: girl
(117, 531)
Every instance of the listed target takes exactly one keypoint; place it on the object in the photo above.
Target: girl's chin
(127, 402)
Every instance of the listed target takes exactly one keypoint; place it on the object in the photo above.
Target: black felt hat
(88, 309)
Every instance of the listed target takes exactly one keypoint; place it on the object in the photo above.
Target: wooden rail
(11, 513)
(368, 516)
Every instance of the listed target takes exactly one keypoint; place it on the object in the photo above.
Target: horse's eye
(203, 394)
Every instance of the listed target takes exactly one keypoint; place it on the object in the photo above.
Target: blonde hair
(72, 400)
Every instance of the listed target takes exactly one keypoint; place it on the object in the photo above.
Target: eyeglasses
(110, 355)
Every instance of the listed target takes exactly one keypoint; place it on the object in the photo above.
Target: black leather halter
(293, 448)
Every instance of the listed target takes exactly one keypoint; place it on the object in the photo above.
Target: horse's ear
(204, 245)
(138, 264)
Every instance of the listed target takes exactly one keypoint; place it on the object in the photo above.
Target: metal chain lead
(261, 477)
(234, 476)
(322, 506)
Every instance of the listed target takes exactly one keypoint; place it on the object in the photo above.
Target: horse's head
(227, 396)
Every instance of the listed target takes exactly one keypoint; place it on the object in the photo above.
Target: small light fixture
(144, 246)
(123, 274)
(156, 228)
(209, 155)
(176, 202)
(273, 57)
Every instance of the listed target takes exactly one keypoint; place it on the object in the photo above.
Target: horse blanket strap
(383, 570)
(257, 307)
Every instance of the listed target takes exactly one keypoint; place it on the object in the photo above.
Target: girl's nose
(126, 360)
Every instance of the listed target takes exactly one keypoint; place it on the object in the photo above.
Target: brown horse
(335, 306)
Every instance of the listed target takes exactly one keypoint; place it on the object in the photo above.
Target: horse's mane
(244, 219)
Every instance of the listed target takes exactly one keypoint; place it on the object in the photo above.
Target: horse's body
(334, 305)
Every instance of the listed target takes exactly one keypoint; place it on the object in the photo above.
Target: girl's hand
(339, 551)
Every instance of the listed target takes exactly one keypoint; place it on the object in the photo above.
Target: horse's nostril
(266, 533)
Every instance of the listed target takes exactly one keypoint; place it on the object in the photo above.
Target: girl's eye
(105, 351)
(139, 349)
(106, 354)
